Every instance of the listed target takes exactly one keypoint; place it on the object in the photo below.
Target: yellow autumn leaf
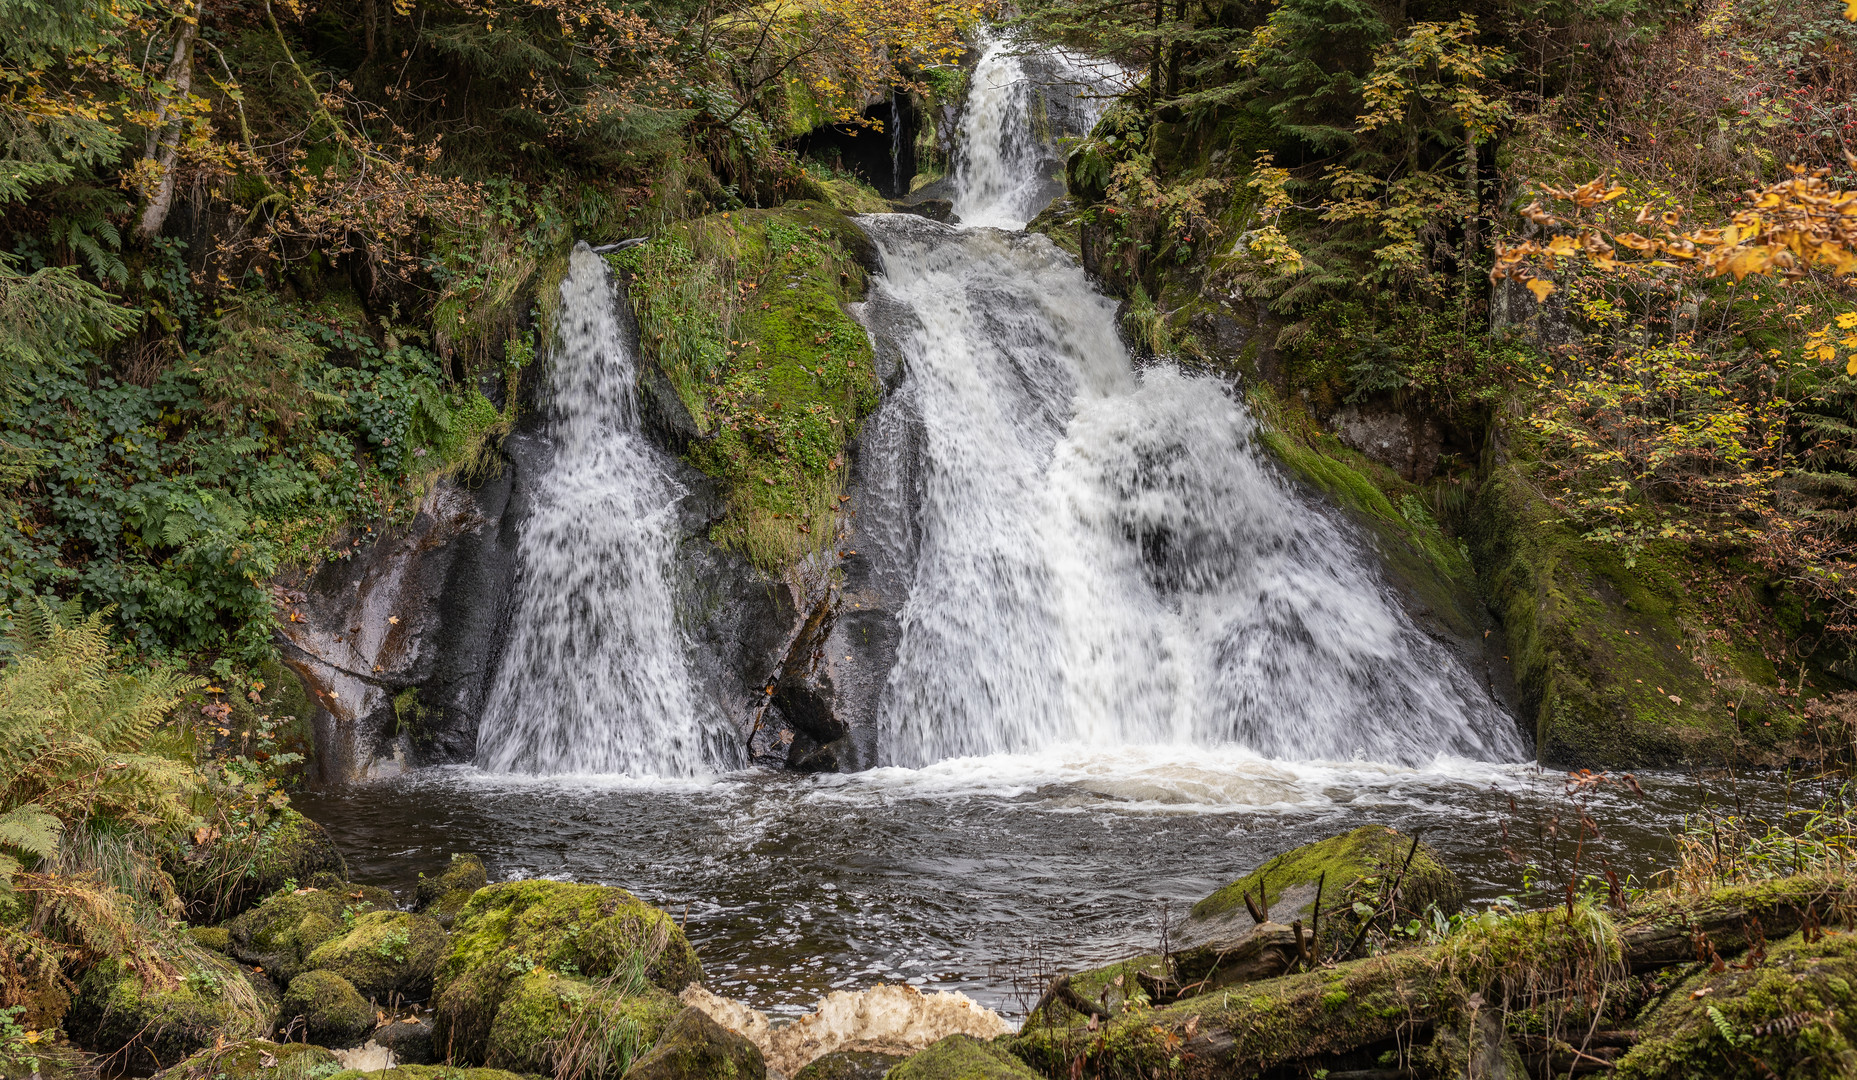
(1541, 287)
(1850, 10)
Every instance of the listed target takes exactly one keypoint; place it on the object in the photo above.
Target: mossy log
(1521, 959)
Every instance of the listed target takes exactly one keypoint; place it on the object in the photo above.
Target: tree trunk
(164, 145)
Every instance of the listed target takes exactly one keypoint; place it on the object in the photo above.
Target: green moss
(547, 1022)
(1795, 1015)
(221, 879)
(466, 874)
(695, 1047)
(156, 1022)
(849, 1065)
(279, 934)
(328, 1009)
(1606, 654)
(744, 315)
(386, 953)
(963, 1057)
(1355, 866)
(216, 938)
(256, 1059)
(588, 931)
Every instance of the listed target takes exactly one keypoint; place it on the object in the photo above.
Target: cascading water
(1101, 556)
(594, 678)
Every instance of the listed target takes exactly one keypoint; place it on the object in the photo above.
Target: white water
(1102, 557)
(1009, 166)
(594, 677)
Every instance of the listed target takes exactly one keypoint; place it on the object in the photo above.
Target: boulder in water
(408, 1039)
(553, 1024)
(327, 1009)
(254, 1059)
(1223, 940)
(279, 934)
(963, 1057)
(694, 1047)
(895, 1020)
(587, 932)
(385, 953)
(444, 896)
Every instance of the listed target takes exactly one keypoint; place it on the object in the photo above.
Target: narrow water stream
(1135, 660)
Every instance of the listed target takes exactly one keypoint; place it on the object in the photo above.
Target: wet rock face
(1409, 444)
(397, 643)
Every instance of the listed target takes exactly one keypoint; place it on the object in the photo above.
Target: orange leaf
(1541, 287)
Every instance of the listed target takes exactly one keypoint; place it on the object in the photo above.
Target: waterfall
(594, 677)
(1100, 556)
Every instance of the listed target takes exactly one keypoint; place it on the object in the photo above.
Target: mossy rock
(386, 953)
(327, 1009)
(1605, 654)
(850, 1065)
(1355, 866)
(1794, 1015)
(219, 880)
(428, 1072)
(466, 875)
(963, 1057)
(695, 1047)
(587, 931)
(409, 1039)
(216, 938)
(279, 934)
(256, 1059)
(155, 1024)
(547, 1020)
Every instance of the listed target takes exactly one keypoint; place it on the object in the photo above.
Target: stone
(549, 1023)
(694, 1047)
(465, 875)
(386, 954)
(255, 1059)
(152, 1024)
(279, 934)
(963, 1057)
(224, 877)
(409, 1039)
(850, 1065)
(1221, 943)
(327, 1009)
(588, 932)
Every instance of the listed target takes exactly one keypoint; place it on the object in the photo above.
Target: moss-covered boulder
(428, 1072)
(583, 931)
(850, 1065)
(154, 1020)
(1794, 1015)
(279, 934)
(963, 1057)
(221, 878)
(1619, 666)
(695, 1047)
(256, 1059)
(443, 897)
(598, 1029)
(386, 953)
(327, 1009)
(216, 938)
(1361, 866)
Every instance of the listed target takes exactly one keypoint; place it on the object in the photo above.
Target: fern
(73, 731)
(1727, 1029)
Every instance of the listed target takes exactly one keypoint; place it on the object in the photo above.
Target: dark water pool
(958, 875)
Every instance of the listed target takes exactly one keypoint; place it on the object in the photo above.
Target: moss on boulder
(586, 931)
(386, 953)
(222, 878)
(444, 896)
(279, 934)
(216, 938)
(963, 1057)
(850, 1065)
(327, 1009)
(256, 1059)
(695, 1047)
(1615, 663)
(1355, 866)
(150, 1023)
(547, 1020)
(1795, 1015)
